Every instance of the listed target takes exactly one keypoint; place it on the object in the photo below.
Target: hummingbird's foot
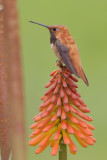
(59, 64)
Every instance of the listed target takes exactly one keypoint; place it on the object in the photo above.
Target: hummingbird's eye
(54, 29)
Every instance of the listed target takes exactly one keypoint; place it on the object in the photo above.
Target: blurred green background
(87, 23)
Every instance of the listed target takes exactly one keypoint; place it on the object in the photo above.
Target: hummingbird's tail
(83, 76)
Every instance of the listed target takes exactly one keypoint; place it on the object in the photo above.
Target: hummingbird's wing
(76, 61)
(71, 61)
(64, 53)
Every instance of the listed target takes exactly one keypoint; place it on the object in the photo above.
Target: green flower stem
(63, 151)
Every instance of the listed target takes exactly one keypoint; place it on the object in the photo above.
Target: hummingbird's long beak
(40, 24)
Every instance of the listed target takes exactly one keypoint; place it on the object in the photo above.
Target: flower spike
(62, 115)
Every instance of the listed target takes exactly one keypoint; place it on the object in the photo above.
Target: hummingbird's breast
(56, 51)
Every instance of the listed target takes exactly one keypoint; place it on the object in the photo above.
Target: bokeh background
(87, 23)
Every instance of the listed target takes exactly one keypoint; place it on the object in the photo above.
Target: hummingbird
(65, 49)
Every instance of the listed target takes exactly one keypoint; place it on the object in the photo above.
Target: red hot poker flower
(62, 115)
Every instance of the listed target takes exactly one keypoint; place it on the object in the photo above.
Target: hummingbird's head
(57, 30)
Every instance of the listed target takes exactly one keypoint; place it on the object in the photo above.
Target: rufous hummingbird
(66, 49)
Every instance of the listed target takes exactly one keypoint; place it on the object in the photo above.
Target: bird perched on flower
(66, 49)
